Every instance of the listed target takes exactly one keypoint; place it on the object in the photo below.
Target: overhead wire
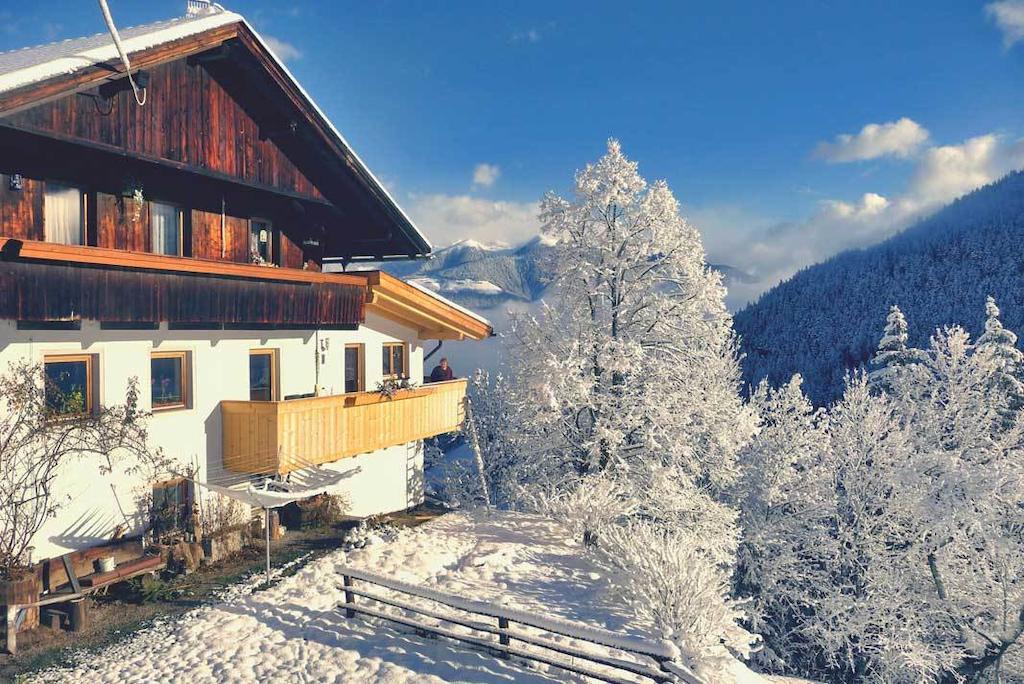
(141, 100)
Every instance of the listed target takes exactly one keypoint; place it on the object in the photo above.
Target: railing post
(503, 637)
(349, 596)
(10, 614)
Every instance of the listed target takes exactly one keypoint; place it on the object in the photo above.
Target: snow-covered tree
(633, 370)
(782, 502)
(624, 388)
(911, 568)
(894, 359)
(667, 581)
(999, 345)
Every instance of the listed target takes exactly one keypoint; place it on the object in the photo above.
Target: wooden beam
(11, 249)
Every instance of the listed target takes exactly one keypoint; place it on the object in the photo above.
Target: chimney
(199, 8)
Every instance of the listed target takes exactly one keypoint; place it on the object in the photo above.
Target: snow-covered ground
(293, 632)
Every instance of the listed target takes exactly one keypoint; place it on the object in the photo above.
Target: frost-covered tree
(912, 567)
(782, 502)
(625, 395)
(633, 369)
(999, 345)
(894, 360)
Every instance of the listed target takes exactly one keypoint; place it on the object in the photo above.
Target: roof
(434, 316)
(19, 68)
(28, 67)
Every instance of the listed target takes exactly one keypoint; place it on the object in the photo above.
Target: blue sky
(737, 105)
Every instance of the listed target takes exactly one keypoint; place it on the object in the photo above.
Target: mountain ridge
(827, 319)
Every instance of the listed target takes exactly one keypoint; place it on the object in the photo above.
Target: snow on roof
(19, 68)
(435, 295)
(34, 64)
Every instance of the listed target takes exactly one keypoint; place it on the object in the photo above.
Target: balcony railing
(277, 437)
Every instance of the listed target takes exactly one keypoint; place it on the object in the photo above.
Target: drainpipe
(433, 351)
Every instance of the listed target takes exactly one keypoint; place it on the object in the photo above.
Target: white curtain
(62, 214)
(163, 219)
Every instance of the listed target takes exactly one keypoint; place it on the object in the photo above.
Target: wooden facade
(190, 119)
(59, 292)
(277, 437)
(235, 128)
(228, 140)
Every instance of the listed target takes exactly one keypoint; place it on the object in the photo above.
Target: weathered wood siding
(54, 292)
(207, 242)
(189, 118)
(117, 227)
(282, 436)
(21, 211)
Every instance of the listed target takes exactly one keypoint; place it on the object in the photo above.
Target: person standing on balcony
(442, 371)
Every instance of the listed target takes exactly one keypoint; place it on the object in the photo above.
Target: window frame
(388, 357)
(275, 372)
(180, 221)
(360, 368)
(186, 380)
(91, 373)
(271, 238)
(83, 211)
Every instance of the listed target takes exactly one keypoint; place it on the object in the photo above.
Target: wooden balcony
(277, 437)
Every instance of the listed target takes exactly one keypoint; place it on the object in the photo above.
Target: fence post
(349, 596)
(9, 614)
(503, 637)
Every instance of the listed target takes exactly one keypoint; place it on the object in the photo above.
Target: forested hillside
(828, 318)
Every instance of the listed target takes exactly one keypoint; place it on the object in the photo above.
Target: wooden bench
(122, 572)
(73, 590)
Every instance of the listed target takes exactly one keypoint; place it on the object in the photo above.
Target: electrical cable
(120, 50)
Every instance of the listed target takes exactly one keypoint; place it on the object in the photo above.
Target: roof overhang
(433, 316)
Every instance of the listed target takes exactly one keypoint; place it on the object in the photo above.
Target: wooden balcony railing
(277, 437)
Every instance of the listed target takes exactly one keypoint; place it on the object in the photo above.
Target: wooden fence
(505, 633)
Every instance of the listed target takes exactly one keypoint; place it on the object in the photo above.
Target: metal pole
(266, 525)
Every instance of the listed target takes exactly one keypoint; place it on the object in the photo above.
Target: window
(63, 211)
(263, 375)
(169, 379)
(261, 241)
(70, 386)
(394, 360)
(354, 368)
(165, 223)
(171, 510)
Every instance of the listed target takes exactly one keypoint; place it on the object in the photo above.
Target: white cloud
(530, 35)
(447, 218)
(900, 138)
(1009, 17)
(485, 175)
(283, 49)
(773, 252)
(946, 172)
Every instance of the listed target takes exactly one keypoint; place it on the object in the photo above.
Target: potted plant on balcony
(132, 193)
(389, 387)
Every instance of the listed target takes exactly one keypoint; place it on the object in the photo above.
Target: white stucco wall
(91, 503)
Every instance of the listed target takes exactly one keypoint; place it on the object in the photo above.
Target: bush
(681, 591)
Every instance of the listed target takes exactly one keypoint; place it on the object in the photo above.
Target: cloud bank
(900, 138)
(774, 252)
(447, 218)
(1009, 17)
